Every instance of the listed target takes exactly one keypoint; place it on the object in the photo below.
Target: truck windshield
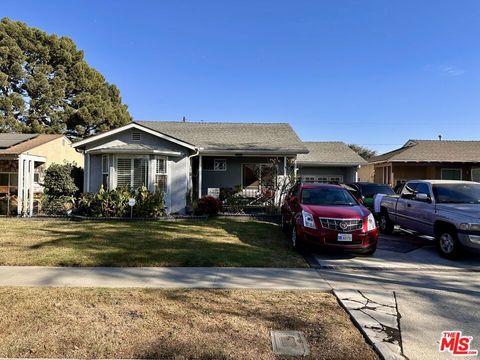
(327, 196)
(457, 193)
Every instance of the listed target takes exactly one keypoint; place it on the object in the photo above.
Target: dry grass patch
(192, 324)
(217, 242)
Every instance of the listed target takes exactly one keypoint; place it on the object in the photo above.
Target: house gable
(129, 134)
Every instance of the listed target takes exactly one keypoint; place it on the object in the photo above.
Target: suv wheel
(448, 245)
(284, 224)
(296, 244)
(385, 225)
(370, 252)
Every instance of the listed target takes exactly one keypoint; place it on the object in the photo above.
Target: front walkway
(161, 277)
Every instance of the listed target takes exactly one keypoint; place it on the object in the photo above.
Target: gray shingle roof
(434, 151)
(30, 143)
(213, 136)
(329, 153)
(8, 140)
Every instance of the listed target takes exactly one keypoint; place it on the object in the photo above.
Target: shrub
(148, 204)
(59, 181)
(208, 205)
(59, 189)
(57, 205)
(114, 203)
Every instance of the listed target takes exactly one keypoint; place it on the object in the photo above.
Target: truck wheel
(447, 244)
(385, 225)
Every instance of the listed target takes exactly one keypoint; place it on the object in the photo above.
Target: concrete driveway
(433, 294)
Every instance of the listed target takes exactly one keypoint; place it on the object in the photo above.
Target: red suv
(328, 215)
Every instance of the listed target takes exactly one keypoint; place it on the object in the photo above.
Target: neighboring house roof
(329, 153)
(29, 142)
(231, 137)
(8, 140)
(433, 151)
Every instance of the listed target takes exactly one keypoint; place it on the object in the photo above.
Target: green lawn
(216, 242)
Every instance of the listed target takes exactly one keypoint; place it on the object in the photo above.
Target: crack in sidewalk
(392, 335)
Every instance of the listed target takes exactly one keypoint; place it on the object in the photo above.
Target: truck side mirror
(422, 197)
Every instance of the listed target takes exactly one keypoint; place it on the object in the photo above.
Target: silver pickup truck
(448, 210)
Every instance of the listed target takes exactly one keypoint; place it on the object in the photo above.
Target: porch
(20, 190)
(250, 181)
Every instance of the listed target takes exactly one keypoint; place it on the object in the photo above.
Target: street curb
(383, 351)
(386, 268)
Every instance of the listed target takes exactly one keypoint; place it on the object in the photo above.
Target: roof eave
(81, 144)
(326, 164)
(248, 151)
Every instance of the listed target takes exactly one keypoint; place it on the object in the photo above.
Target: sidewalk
(162, 277)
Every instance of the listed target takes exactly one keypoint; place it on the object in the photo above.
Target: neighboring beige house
(23, 160)
(428, 159)
(366, 173)
(328, 161)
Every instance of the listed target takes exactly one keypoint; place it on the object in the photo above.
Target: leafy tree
(46, 86)
(59, 181)
(59, 188)
(364, 152)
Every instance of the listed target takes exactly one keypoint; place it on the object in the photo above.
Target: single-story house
(328, 161)
(428, 159)
(188, 160)
(23, 160)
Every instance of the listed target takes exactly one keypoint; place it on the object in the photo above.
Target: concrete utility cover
(289, 343)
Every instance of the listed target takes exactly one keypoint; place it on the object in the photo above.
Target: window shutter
(139, 172)
(124, 169)
(161, 166)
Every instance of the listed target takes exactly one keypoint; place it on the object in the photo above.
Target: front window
(466, 193)
(220, 165)
(132, 173)
(161, 174)
(451, 174)
(327, 196)
(9, 183)
(211, 164)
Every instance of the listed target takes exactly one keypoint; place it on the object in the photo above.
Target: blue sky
(370, 72)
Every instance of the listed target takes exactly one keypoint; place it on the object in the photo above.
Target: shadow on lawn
(216, 242)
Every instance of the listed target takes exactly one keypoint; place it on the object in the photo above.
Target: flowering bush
(207, 205)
